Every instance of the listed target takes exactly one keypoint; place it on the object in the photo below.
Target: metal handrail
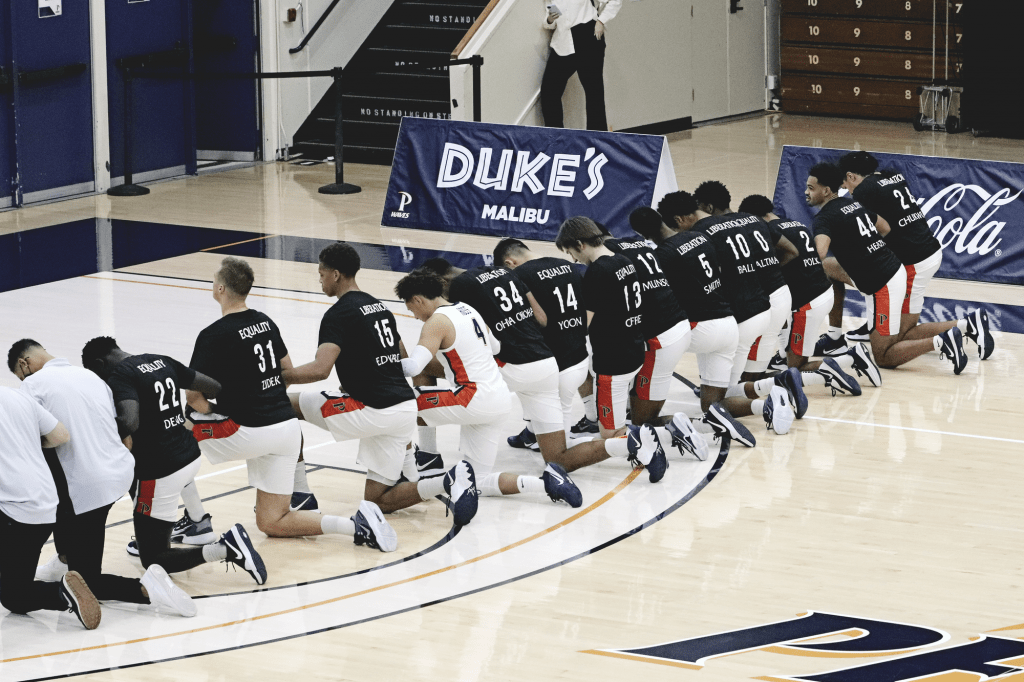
(313, 31)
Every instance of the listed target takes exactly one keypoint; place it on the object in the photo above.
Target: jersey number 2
(172, 389)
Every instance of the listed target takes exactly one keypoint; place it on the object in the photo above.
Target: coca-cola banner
(974, 208)
(520, 181)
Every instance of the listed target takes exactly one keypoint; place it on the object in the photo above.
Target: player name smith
(254, 329)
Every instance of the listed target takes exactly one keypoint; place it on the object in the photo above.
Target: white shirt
(574, 13)
(98, 466)
(468, 361)
(27, 492)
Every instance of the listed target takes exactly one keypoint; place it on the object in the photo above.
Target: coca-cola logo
(979, 234)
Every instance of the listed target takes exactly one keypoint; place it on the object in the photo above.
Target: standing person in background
(577, 45)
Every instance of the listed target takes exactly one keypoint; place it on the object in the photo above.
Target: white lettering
(452, 153)
(526, 171)
(560, 175)
(500, 180)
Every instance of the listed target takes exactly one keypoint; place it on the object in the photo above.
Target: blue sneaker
(794, 383)
(584, 425)
(304, 501)
(685, 437)
(559, 486)
(460, 485)
(778, 363)
(836, 379)
(645, 449)
(429, 464)
(864, 363)
(724, 426)
(524, 439)
(778, 412)
(133, 548)
(372, 530)
(189, 532)
(242, 553)
(861, 333)
(826, 345)
(978, 331)
(953, 349)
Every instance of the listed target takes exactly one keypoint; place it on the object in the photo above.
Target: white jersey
(468, 361)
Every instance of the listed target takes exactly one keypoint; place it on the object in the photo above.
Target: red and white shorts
(714, 342)
(885, 306)
(807, 321)
(663, 353)
(763, 349)
(750, 330)
(612, 391)
(536, 384)
(159, 498)
(383, 433)
(270, 452)
(918, 276)
(480, 415)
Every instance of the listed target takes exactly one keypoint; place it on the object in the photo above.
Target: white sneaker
(778, 411)
(163, 592)
(52, 571)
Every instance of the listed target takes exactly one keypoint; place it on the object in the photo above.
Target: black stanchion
(128, 189)
(339, 186)
(477, 61)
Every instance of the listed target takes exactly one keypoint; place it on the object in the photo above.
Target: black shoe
(584, 425)
(429, 464)
(861, 333)
(80, 600)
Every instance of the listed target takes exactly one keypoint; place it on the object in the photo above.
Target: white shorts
(885, 305)
(270, 452)
(612, 391)
(749, 330)
(918, 276)
(764, 347)
(383, 433)
(663, 353)
(714, 342)
(807, 321)
(481, 420)
(159, 498)
(536, 384)
(569, 381)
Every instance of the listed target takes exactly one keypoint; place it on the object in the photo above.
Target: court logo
(908, 651)
(405, 200)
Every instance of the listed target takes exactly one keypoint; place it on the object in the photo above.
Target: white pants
(885, 306)
(918, 276)
(763, 348)
(750, 330)
(270, 452)
(714, 342)
(612, 391)
(536, 384)
(481, 421)
(663, 353)
(569, 381)
(382, 433)
(807, 322)
(159, 498)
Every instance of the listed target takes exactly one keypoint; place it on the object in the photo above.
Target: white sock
(784, 339)
(617, 447)
(530, 484)
(764, 386)
(835, 332)
(937, 342)
(812, 379)
(301, 485)
(427, 439)
(337, 525)
(962, 325)
(736, 391)
(412, 473)
(845, 362)
(214, 552)
(193, 503)
(590, 407)
(430, 487)
(757, 407)
(488, 485)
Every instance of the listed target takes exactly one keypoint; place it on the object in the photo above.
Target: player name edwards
(516, 214)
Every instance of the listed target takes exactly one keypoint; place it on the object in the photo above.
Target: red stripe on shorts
(911, 273)
(752, 355)
(646, 373)
(605, 408)
(693, 325)
(144, 501)
(799, 333)
(458, 369)
(204, 430)
(345, 403)
(882, 304)
(444, 397)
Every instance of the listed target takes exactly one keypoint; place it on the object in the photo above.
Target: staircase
(380, 85)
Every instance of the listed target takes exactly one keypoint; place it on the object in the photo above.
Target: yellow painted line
(645, 659)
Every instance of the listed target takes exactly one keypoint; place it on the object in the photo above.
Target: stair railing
(316, 27)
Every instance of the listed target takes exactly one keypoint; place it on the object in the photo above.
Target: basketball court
(897, 510)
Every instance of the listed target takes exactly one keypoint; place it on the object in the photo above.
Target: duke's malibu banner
(520, 181)
(974, 208)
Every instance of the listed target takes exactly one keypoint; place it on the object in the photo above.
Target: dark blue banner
(974, 208)
(519, 181)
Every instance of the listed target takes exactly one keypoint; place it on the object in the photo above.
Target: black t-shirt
(737, 251)
(888, 195)
(369, 365)
(243, 351)
(856, 244)
(661, 309)
(769, 270)
(500, 298)
(161, 445)
(611, 290)
(692, 270)
(558, 287)
(804, 274)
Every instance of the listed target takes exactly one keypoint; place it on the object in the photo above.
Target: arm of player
(882, 225)
(208, 386)
(435, 332)
(317, 370)
(127, 418)
(538, 311)
(785, 250)
(57, 436)
(821, 243)
(197, 401)
(493, 342)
